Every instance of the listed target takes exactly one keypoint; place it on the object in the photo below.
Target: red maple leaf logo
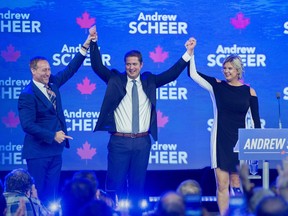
(240, 22)
(161, 119)
(86, 87)
(86, 152)
(158, 55)
(85, 21)
(11, 55)
(11, 121)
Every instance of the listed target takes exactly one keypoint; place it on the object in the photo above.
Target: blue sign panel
(263, 144)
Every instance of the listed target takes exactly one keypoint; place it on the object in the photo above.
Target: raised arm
(63, 76)
(96, 61)
(173, 72)
(191, 44)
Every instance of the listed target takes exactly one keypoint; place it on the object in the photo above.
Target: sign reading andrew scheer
(263, 144)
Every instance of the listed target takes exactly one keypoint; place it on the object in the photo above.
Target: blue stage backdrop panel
(257, 31)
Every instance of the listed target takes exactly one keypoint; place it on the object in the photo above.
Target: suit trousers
(127, 165)
(46, 173)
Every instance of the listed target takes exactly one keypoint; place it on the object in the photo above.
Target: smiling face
(133, 63)
(233, 69)
(133, 67)
(41, 72)
(230, 72)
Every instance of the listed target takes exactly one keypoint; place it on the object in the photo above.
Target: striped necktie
(52, 95)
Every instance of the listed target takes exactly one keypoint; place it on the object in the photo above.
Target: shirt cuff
(186, 57)
(83, 52)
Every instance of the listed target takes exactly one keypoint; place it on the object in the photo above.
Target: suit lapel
(144, 83)
(39, 94)
(124, 79)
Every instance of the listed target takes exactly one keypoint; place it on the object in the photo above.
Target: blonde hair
(237, 63)
(189, 187)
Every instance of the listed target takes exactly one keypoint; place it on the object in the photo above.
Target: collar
(39, 85)
(137, 79)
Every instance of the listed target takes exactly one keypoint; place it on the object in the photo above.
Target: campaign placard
(263, 144)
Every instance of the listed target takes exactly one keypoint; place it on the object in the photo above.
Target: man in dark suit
(43, 121)
(128, 152)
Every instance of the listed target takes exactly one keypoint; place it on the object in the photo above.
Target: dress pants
(46, 174)
(127, 164)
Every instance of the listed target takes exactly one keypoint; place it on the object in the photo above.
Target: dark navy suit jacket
(39, 120)
(116, 89)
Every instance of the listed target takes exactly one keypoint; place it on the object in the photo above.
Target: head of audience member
(76, 193)
(19, 180)
(189, 187)
(99, 194)
(95, 208)
(272, 206)
(89, 175)
(170, 203)
(192, 195)
(259, 193)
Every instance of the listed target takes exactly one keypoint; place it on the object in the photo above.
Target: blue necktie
(135, 108)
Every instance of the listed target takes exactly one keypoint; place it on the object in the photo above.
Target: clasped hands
(93, 33)
(92, 36)
(190, 45)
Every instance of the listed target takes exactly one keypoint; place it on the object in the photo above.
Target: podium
(265, 145)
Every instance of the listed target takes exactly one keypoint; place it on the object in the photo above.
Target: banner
(257, 31)
(263, 144)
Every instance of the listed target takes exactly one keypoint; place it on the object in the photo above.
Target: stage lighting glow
(209, 199)
(124, 204)
(153, 199)
(143, 204)
(54, 206)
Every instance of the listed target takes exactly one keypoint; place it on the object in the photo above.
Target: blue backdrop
(257, 30)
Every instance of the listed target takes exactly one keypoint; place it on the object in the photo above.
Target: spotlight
(143, 204)
(124, 204)
(54, 206)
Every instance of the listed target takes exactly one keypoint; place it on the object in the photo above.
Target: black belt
(130, 135)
